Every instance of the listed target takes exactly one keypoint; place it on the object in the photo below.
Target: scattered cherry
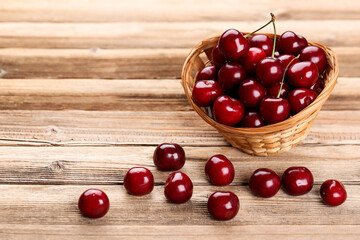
(301, 98)
(223, 205)
(274, 109)
(178, 188)
(139, 181)
(302, 74)
(205, 92)
(231, 75)
(233, 45)
(228, 111)
(207, 73)
(316, 55)
(169, 157)
(333, 192)
(290, 43)
(252, 119)
(94, 203)
(264, 183)
(217, 58)
(269, 71)
(297, 180)
(273, 91)
(251, 59)
(219, 170)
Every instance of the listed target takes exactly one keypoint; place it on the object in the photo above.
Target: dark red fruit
(223, 205)
(333, 192)
(290, 43)
(262, 41)
(318, 86)
(273, 91)
(207, 73)
(94, 203)
(251, 59)
(228, 111)
(297, 180)
(178, 188)
(264, 183)
(231, 75)
(316, 55)
(217, 58)
(250, 93)
(169, 157)
(205, 92)
(233, 45)
(302, 74)
(139, 181)
(286, 59)
(219, 170)
(252, 119)
(269, 71)
(301, 98)
(274, 109)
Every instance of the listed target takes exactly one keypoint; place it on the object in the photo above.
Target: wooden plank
(119, 63)
(108, 165)
(127, 95)
(57, 205)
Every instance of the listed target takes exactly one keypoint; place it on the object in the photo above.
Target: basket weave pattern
(271, 139)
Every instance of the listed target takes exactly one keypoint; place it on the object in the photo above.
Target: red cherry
(301, 98)
(274, 109)
(207, 73)
(297, 180)
(178, 188)
(333, 192)
(219, 170)
(251, 59)
(276, 54)
(228, 111)
(231, 75)
(302, 74)
(316, 55)
(233, 45)
(262, 41)
(169, 157)
(223, 205)
(269, 71)
(273, 91)
(217, 58)
(252, 119)
(286, 59)
(139, 181)
(205, 92)
(290, 43)
(251, 93)
(94, 203)
(264, 183)
(318, 86)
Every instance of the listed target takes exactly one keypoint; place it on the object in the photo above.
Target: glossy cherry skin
(274, 109)
(207, 73)
(300, 98)
(302, 74)
(139, 181)
(262, 41)
(251, 59)
(231, 75)
(219, 170)
(286, 59)
(250, 93)
(318, 86)
(233, 45)
(274, 90)
(252, 119)
(223, 205)
(269, 71)
(264, 183)
(228, 111)
(169, 157)
(333, 192)
(178, 188)
(297, 180)
(205, 92)
(290, 43)
(217, 58)
(316, 55)
(94, 203)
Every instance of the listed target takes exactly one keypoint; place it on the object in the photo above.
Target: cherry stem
(272, 20)
(283, 78)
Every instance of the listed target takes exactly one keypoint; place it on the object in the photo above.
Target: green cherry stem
(272, 20)
(283, 78)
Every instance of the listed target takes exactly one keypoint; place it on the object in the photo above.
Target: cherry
(301, 98)
(205, 92)
(252, 119)
(169, 157)
(228, 111)
(274, 109)
(290, 43)
(286, 59)
(318, 86)
(231, 75)
(233, 45)
(302, 74)
(262, 41)
(264, 183)
(251, 59)
(207, 73)
(273, 91)
(217, 58)
(333, 192)
(297, 180)
(276, 54)
(269, 71)
(178, 188)
(219, 170)
(93, 203)
(223, 205)
(139, 181)
(316, 55)
(251, 93)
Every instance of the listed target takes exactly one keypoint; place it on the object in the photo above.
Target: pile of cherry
(256, 80)
(222, 205)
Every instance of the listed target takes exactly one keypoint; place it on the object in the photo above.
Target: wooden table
(89, 88)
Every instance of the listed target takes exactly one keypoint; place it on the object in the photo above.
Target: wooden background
(89, 88)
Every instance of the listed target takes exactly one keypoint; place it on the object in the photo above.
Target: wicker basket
(271, 139)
